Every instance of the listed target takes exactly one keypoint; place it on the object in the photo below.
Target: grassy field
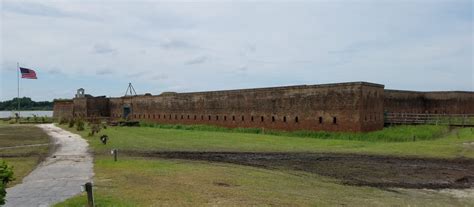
(449, 145)
(157, 182)
(23, 159)
(136, 181)
(389, 134)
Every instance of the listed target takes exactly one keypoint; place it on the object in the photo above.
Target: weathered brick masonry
(63, 108)
(440, 102)
(355, 106)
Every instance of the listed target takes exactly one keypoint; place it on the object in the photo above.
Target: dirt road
(59, 177)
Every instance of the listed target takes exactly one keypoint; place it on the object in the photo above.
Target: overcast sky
(214, 45)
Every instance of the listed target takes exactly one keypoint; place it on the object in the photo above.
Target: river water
(5, 114)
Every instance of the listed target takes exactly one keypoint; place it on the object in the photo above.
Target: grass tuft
(389, 134)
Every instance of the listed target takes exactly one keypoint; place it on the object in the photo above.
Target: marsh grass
(406, 133)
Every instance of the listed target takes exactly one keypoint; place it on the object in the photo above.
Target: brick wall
(80, 107)
(357, 106)
(371, 111)
(63, 109)
(449, 102)
(328, 107)
(98, 107)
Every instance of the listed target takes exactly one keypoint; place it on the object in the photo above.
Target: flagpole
(18, 84)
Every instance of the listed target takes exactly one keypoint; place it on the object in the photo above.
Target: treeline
(25, 104)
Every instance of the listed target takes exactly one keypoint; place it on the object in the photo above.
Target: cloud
(34, 9)
(136, 74)
(393, 43)
(54, 71)
(105, 72)
(176, 44)
(252, 47)
(197, 60)
(143, 73)
(159, 77)
(104, 48)
(248, 50)
(241, 70)
(165, 20)
(8, 66)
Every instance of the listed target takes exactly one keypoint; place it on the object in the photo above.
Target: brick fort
(353, 106)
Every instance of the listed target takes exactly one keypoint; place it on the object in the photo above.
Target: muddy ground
(351, 169)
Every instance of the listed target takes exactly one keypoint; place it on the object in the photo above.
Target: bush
(6, 176)
(80, 125)
(71, 123)
(63, 121)
(95, 129)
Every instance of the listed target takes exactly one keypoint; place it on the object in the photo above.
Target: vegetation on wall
(25, 104)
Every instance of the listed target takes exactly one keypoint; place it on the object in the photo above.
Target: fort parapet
(438, 102)
(354, 106)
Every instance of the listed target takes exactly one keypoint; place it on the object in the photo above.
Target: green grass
(134, 181)
(23, 160)
(22, 166)
(28, 120)
(157, 182)
(15, 135)
(449, 145)
(389, 134)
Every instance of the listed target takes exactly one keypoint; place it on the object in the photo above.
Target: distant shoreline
(27, 113)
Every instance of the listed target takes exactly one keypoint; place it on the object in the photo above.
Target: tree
(25, 104)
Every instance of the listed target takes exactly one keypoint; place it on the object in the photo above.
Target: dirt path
(352, 169)
(59, 177)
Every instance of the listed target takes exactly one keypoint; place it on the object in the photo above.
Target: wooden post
(90, 194)
(115, 152)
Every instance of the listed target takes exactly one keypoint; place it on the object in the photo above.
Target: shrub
(80, 125)
(71, 123)
(6, 176)
(62, 121)
(95, 128)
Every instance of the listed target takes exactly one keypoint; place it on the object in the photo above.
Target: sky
(179, 46)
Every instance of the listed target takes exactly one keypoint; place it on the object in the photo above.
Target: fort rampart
(439, 102)
(355, 106)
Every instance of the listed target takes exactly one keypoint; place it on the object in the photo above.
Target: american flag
(28, 73)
